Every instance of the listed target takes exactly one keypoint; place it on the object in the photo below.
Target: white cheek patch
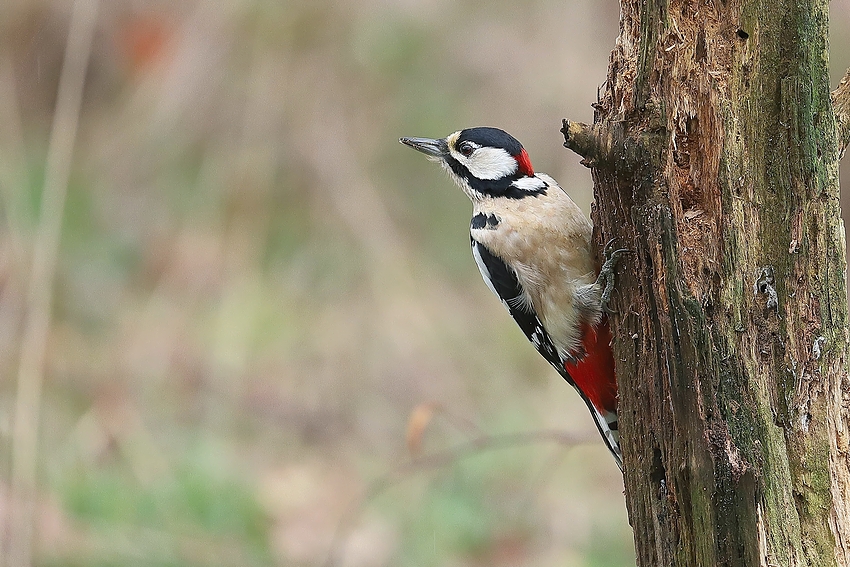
(486, 163)
(491, 163)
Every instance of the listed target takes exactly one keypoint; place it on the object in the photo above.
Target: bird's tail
(593, 376)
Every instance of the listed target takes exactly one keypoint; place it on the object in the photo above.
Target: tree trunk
(714, 153)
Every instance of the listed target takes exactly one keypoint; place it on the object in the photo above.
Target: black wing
(503, 281)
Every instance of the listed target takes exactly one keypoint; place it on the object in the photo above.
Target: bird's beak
(428, 146)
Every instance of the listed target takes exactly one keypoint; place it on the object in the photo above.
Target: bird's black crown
(491, 138)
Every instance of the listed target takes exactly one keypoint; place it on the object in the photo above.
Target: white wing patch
(521, 301)
(485, 273)
(530, 184)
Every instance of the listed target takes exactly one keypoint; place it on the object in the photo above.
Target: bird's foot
(606, 273)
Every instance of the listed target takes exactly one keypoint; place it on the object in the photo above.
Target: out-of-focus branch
(45, 250)
(441, 459)
(841, 106)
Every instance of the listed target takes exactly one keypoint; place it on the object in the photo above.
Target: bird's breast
(545, 240)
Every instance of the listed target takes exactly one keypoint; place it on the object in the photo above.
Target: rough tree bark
(714, 153)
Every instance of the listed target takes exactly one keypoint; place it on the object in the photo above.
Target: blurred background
(264, 307)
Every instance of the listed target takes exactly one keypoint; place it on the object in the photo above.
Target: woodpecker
(532, 245)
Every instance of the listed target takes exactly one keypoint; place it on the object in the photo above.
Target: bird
(534, 248)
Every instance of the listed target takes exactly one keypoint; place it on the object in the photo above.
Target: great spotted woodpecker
(533, 247)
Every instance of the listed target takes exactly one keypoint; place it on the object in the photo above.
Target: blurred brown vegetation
(257, 287)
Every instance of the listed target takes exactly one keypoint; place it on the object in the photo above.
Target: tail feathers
(607, 425)
(593, 376)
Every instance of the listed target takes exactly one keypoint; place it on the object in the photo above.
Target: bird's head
(485, 162)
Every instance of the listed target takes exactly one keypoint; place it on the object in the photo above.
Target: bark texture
(714, 153)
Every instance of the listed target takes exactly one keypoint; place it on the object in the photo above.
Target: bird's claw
(606, 274)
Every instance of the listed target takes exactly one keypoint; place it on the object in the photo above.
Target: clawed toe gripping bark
(606, 278)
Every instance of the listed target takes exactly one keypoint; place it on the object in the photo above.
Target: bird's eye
(466, 148)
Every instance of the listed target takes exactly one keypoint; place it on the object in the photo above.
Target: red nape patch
(594, 374)
(524, 162)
